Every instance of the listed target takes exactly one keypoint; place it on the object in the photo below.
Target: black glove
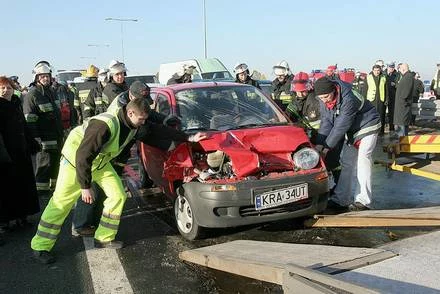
(171, 120)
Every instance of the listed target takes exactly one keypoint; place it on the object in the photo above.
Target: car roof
(186, 86)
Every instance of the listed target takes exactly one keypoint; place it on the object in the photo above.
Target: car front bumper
(222, 209)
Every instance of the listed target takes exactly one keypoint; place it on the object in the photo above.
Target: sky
(307, 34)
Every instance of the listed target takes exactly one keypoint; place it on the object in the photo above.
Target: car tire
(185, 220)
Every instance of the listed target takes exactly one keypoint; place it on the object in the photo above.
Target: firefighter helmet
(116, 67)
(301, 82)
(281, 68)
(240, 68)
(92, 71)
(41, 68)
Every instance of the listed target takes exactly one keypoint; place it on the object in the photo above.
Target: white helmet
(102, 75)
(281, 68)
(241, 67)
(188, 68)
(41, 68)
(116, 67)
(380, 62)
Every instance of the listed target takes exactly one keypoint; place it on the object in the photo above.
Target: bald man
(402, 107)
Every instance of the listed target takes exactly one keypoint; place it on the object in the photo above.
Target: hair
(139, 105)
(5, 81)
(377, 66)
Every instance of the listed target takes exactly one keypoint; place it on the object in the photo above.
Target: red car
(255, 167)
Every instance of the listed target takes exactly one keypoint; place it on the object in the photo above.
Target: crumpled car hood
(249, 149)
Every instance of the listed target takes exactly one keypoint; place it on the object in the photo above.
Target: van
(205, 70)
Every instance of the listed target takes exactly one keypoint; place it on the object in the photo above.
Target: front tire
(185, 220)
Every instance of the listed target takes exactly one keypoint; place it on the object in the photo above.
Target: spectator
(392, 77)
(16, 171)
(377, 93)
(418, 90)
(435, 83)
(402, 107)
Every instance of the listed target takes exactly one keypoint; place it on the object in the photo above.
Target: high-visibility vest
(109, 151)
(371, 93)
(436, 80)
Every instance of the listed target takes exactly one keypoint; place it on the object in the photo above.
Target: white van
(205, 69)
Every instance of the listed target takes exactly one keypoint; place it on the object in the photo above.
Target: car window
(162, 105)
(226, 107)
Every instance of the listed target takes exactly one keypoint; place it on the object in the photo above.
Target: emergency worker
(184, 75)
(359, 84)
(435, 83)
(44, 120)
(305, 107)
(392, 76)
(242, 75)
(17, 87)
(281, 85)
(377, 93)
(94, 103)
(116, 85)
(84, 89)
(346, 113)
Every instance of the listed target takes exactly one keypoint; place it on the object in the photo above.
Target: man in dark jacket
(345, 113)
(242, 75)
(392, 77)
(116, 85)
(402, 107)
(281, 86)
(94, 104)
(44, 120)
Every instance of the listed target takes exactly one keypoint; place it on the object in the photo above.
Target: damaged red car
(256, 166)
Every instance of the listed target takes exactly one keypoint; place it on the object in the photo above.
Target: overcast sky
(309, 35)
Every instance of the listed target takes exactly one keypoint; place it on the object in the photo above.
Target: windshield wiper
(254, 125)
(199, 129)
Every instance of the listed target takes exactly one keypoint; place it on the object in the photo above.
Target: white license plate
(281, 196)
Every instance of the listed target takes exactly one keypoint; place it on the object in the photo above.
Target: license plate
(281, 196)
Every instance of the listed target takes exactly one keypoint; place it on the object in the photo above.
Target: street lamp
(121, 21)
(204, 28)
(98, 46)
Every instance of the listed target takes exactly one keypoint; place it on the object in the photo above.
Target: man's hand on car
(197, 137)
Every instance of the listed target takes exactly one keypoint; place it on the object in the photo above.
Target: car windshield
(226, 107)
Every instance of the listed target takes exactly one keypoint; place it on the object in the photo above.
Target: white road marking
(108, 275)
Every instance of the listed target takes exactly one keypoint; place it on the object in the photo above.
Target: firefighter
(305, 107)
(184, 75)
(116, 85)
(86, 155)
(359, 83)
(44, 120)
(347, 114)
(94, 103)
(84, 89)
(377, 93)
(281, 85)
(242, 75)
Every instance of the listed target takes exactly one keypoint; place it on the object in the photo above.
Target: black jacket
(43, 116)
(402, 104)
(249, 81)
(418, 90)
(94, 103)
(279, 87)
(111, 90)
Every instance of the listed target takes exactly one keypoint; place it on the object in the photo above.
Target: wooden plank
(350, 221)
(329, 284)
(266, 261)
(421, 212)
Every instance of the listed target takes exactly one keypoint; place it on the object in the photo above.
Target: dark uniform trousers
(47, 165)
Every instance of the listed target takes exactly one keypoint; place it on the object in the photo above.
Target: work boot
(357, 206)
(84, 232)
(109, 245)
(44, 257)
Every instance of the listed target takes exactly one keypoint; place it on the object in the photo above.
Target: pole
(204, 28)
(121, 20)
(122, 42)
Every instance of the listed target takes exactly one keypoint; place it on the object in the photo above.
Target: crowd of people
(80, 136)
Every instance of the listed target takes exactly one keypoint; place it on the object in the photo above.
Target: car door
(154, 155)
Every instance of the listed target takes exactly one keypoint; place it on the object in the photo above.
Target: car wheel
(186, 223)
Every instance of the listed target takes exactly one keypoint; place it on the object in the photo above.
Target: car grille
(251, 211)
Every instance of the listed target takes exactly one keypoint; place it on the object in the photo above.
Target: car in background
(205, 69)
(266, 87)
(150, 80)
(68, 75)
(427, 94)
(255, 166)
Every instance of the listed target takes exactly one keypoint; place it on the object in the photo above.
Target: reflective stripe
(108, 225)
(46, 235)
(367, 130)
(31, 118)
(98, 102)
(315, 124)
(43, 186)
(49, 226)
(360, 98)
(47, 107)
(111, 216)
(87, 108)
(49, 144)
(76, 102)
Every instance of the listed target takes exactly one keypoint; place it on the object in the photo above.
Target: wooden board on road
(266, 261)
(414, 217)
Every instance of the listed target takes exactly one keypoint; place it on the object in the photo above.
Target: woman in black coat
(402, 107)
(16, 171)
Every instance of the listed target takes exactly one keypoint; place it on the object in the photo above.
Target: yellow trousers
(67, 192)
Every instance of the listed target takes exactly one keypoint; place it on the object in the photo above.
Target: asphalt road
(150, 264)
